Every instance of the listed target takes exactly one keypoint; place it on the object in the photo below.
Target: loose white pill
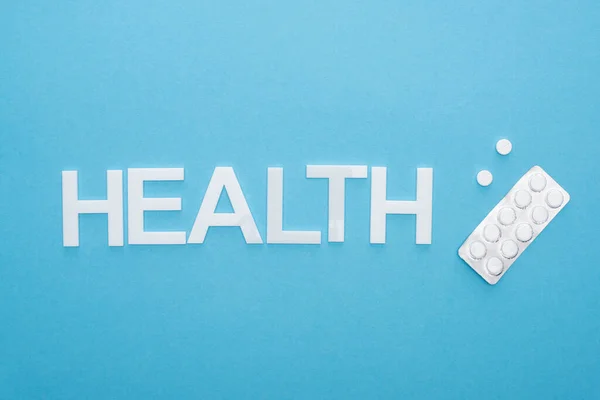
(477, 250)
(555, 198)
(539, 215)
(537, 182)
(494, 266)
(504, 147)
(484, 177)
(507, 216)
(491, 233)
(524, 232)
(509, 249)
(522, 198)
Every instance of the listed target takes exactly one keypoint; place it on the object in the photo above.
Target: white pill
(522, 198)
(524, 233)
(537, 182)
(507, 216)
(509, 249)
(491, 233)
(539, 215)
(504, 147)
(494, 266)
(485, 177)
(554, 198)
(477, 250)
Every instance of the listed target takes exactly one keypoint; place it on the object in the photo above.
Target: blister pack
(513, 224)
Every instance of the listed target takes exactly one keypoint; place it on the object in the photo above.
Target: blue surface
(94, 85)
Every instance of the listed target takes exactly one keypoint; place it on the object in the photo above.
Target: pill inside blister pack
(513, 224)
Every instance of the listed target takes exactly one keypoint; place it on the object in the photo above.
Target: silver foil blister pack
(513, 224)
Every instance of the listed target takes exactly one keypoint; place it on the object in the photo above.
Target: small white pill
(554, 198)
(494, 266)
(491, 233)
(524, 233)
(522, 198)
(477, 250)
(537, 182)
(504, 147)
(539, 215)
(484, 177)
(509, 249)
(507, 216)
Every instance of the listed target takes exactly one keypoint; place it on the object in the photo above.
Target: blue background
(91, 86)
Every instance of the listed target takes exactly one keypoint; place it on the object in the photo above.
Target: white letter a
(224, 177)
